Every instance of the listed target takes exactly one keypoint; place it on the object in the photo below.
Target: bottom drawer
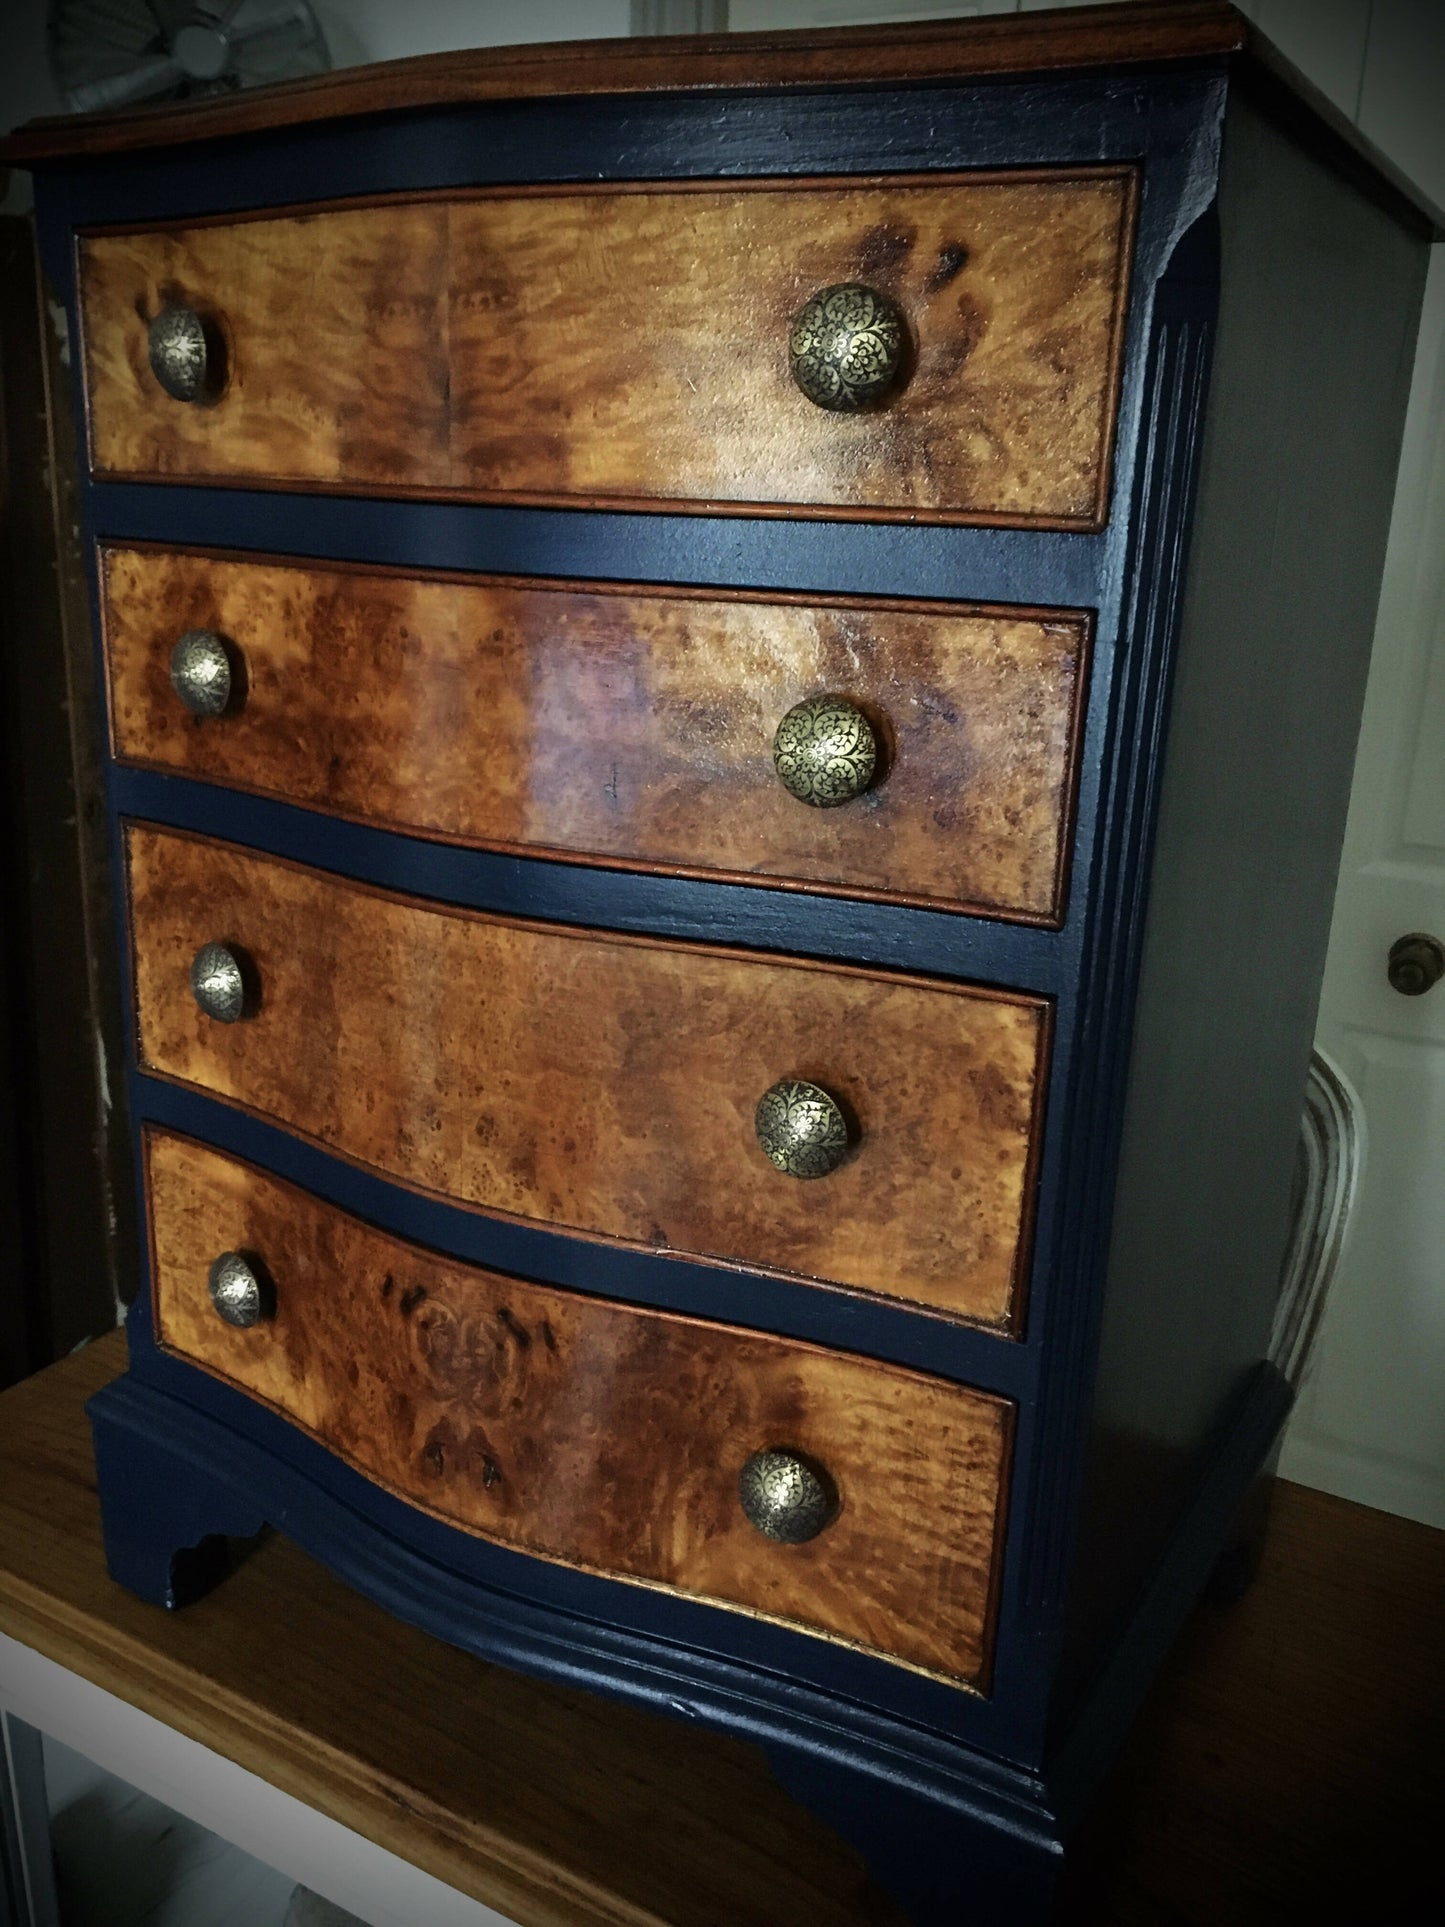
(605, 1436)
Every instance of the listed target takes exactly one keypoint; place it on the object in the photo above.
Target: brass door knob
(801, 1129)
(825, 751)
(218, 982)
(786, 1496)
(1417, 963)
(239, 1291)
(184, 354)
(201, 673)
(846, 346)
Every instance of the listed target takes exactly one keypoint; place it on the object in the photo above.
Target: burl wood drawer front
(624, 725)
(631, 346)
(592, 1432)
(602, 1083)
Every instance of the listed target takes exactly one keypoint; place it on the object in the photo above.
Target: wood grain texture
(1149, 30)
(606, 1084)
(629, 346)
(628, 725)
(593, 1433)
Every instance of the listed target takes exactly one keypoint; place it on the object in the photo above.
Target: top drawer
(635, 346)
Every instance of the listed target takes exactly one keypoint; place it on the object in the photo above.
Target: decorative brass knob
(239, 1292)
(801, 1128)
(846, 346)
(218, 982)
(786, 1496)
(825, 751)
(201, 672)
(184, 354)
(1417, 963)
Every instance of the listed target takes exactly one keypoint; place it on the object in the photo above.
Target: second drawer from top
(908, 751)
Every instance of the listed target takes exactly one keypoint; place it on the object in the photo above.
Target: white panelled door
(1371, 1422)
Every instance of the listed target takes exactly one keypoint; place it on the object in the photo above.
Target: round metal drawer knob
(218, 982)
(238, 1291)
(825, 751)
(201, 673)
(182, 354)
(846, 346)
(801, 1129)
(1417, 963)
(786, 1496)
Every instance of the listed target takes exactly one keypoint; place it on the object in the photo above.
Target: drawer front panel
(591, 1432)
(631, 346)
(606, 1084)
(626, 725)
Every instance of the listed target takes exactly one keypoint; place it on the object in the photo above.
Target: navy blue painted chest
(731, 673)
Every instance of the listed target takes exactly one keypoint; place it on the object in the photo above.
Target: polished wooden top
(834, 56)
(1287, 1767)
(1055, 40)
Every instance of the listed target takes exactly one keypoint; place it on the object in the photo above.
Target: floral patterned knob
(846, 346)
(825, 751)
(239, 1291)
(218, 982)
(201, 673)
(183, 354)
(801, 1128)
(786, 1496)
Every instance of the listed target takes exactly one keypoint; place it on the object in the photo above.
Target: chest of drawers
(731, 673)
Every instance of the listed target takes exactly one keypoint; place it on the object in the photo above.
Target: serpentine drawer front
(563, 346)
(595, 1433)
(604, 1083)
(635, 724)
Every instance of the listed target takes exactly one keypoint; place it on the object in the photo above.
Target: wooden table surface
(1290, 1764)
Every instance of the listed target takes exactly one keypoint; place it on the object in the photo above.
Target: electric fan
(111, 53)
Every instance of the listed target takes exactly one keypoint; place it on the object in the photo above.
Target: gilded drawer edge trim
(1083, 621)
(1008, 1328)
(1128, 173)
(979, 1686)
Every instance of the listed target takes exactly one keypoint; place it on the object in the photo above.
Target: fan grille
(106, 54)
